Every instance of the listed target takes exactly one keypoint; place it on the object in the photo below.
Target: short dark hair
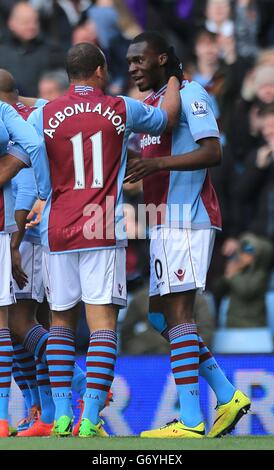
(204, 33)
(155, 40)
(83, 59)
(161, 46)
(7, 82)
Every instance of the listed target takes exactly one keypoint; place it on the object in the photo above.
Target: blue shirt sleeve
(17, 151)
(24, 189)
(20, 132)
(4, 138)
(197, 111)
(40, 102)
(40, 163)
(144, 118)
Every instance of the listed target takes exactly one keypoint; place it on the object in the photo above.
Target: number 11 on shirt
(97, 160)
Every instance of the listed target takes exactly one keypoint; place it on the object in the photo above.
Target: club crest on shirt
(120, 289)
(180, 274)
(199, 108)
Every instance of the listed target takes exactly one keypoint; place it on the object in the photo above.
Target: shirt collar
(84, 90)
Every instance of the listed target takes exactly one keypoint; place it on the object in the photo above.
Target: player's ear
(163, 59)
(99, 72)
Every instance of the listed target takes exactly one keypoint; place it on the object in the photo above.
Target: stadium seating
(243, 340)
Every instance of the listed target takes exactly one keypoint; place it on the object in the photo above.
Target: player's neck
(9, 98)
(159, 85)
(91, 82)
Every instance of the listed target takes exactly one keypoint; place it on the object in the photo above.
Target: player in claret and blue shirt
(174, 168)
(82, 229)
(28, 336)
(12, 128)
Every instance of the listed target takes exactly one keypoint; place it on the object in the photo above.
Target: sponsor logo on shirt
(199, 108)
(148, 140)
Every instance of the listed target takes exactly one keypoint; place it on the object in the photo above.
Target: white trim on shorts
(97, 277)
(31, 261)
(179, 259)
(6, 285)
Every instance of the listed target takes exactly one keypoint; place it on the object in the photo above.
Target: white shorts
(6, 286)
(179, 259)
(31, 262)
(96, 277)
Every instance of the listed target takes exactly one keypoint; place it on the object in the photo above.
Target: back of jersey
(84, 134)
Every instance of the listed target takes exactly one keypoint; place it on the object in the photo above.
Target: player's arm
(22, 133)
(25, 193)
(197, 113)
(142, 118)
(19, 275)
(32, 102)
(172, 102)
(39, 161)
(9, 167)
(27, 101)
(207, 155)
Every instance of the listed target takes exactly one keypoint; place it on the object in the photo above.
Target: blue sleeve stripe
(23, 157)
(206, 133)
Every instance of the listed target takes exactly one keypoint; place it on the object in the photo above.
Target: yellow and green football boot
(229, 414)
(88, 429)
(176, 429)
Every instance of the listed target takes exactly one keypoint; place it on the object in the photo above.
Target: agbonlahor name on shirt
(77, 108)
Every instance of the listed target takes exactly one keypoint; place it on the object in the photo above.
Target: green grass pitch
(136, 443)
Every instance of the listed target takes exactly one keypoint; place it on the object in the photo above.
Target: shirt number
(97, 160)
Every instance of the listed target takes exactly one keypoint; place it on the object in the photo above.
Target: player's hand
(137, 169)
(174, 67)
(233, 267)
(35, 215)
(263, 158)
(230, 247)
(18, 274)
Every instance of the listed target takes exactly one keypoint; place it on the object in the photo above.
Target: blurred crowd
(228, 47)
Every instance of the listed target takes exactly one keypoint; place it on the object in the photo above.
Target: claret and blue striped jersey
(187, 198)
(86, 134)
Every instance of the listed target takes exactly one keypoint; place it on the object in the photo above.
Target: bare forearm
(196, 160)
(27, 101)
(9, 167)
(21, 219)
(172, 102)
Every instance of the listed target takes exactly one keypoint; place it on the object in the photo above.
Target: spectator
(112, 41)
(25, 53)
(85, 32)
(60, 17)
(256, 185)
(207, 64)
(218, 13)
(246, 27)
(53, 84)
(207, 57)
(245, 283)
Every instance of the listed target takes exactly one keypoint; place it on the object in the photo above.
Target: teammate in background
(29, 337)
(86, 135)
(13, 128)
(182, 242)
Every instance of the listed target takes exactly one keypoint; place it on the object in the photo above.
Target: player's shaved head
(7, 82)
(82, 61)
